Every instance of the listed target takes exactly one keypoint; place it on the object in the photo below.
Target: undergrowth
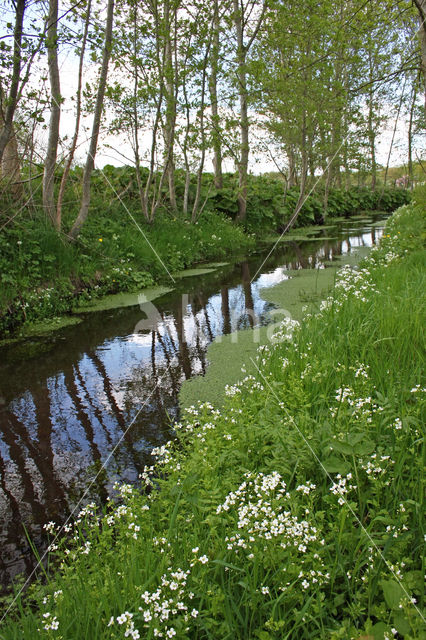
(294, 512)
(43, 275)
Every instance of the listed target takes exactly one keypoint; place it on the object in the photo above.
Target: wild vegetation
(295, 511)
(173, 89)
(43, 275)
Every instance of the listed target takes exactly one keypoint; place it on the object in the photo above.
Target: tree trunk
(169, 84)
(10, 168)
(195, 211)
(421, 7)
(68, 164)
(410, 134)
(55, 113)
(90, 161)
(217, 144)
(304, 167)
(292, 174)
(135, 123)
(10, 165)
(372, 141)
(7, 128)
(244, 126)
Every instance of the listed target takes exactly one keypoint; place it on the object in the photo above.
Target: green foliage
(112, 254)
(294, 512)
(43, 275)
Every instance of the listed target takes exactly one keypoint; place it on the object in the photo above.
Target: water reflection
(67, 399)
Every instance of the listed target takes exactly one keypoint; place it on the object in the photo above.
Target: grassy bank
(295, 512)
(42, 275)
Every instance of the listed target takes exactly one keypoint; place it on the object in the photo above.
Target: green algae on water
(190, 273)
(119, 300)
(226, 355)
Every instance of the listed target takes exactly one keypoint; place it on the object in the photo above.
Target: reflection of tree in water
(224, 294)
(248, 294)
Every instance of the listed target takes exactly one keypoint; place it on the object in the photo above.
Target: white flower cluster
(51, 622)
(263, 353)
(376, 465)
(306, 488)
(89, 511)
(125, 490)
(286, 331)
(261, 506)
(163, 453)
(354, 282)
(359, 407)
(249, 384)
(126, 619)
(342, 487)
(168, 601)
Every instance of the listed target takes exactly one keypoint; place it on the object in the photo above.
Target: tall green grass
(293, 513)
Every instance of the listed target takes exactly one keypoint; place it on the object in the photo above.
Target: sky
(116, 149)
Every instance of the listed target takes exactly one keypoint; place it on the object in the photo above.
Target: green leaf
(364, 448)
(342, 447)
(333, 464)
(379, 630)
(393, 593)
(401, 623)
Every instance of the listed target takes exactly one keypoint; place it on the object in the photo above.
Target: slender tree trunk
(10, 164)
(421, 7)
(11, 167)
(9, 111)
(332, 174)
(135, 124)
(304, 167)
(346, 158)
(195, 211)
(90, 161)
(185, 146)
(292, 180)
(372, 141)
(244, 126)
(410, 134)
(70, 158)
(217, 144)
(169, 77)
(55, 113)
(393, 135)
(371, 129)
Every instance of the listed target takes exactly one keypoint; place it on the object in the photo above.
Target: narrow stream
(67, 398)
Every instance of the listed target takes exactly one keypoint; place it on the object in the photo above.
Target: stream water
(67, 398)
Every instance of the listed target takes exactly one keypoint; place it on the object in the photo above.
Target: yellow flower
(100, 240)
